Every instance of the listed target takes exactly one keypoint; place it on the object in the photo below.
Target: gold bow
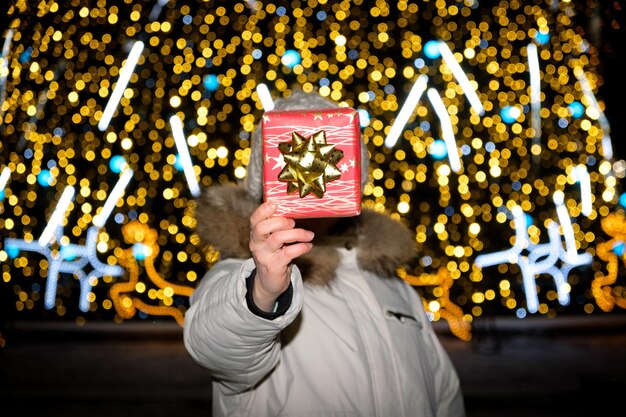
(310, 164)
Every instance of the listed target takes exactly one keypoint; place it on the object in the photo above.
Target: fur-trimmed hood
(382, 243)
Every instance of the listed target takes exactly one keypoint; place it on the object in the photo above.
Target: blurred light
(431, 49)
(45, 178)
(438, 149)
(211, 82)
(125, 73)
(509, 114)
(406, 111)
(291, 58)
(117, 163)
(364, 117)
(576, 109)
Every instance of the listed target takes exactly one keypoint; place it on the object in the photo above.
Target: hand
(274, 243)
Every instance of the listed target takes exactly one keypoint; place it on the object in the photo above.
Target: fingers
(270, 234)
(274, 243)
(264, 211)
(279, 238)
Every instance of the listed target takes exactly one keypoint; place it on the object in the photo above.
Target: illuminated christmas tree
(484, 133)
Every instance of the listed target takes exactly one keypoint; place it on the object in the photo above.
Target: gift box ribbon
(311, 163)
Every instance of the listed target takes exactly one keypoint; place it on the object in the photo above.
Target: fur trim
(382, 244)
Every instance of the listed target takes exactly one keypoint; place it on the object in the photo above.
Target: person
(308, 317)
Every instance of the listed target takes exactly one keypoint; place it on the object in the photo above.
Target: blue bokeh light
(178, 164)
(618, 248)
(291, 58)
(12, 250)
(431, 49)
(210, 82)
(529, 220)
(25, 56)
(140, 251)
(45, 178)
(117, 163)
(438, 149)
(542, 38)
(509, 114)
(576, 109)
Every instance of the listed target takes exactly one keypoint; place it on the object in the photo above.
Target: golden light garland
(125, 304)
(603, 287)
(460, 324)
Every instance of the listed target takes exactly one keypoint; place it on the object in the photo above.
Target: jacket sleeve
(450, 402)
(220, 333)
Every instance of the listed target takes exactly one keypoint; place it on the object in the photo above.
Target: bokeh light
(203, 62)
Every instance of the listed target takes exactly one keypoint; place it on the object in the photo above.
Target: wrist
(278, 308)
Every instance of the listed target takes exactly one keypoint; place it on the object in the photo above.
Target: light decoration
(213, 63)
(157, 8)
(73, 258)
(406, 111)
(541, 258)
(58, 216)
(597, 113)
(183, 152)
(125, 73)
(446, 309)
(266, 98)
(606, 293)
(446, 129)
(535, 98)
(125, 304)
(4, 67)
(586, 198)
(571, 256)
(5, 175)
(466, 86)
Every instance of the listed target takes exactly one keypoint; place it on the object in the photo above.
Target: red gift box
(312, 162)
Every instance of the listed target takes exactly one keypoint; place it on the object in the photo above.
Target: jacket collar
(383, 244)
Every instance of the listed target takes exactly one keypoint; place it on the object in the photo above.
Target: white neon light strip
(509, 255)
(4, 70)
(607, 146)
(4, 177)
(572, 256)
(531, 269)
(4, 59)
(265, 97)
(446, 129)
(406, 111)
(125, 73)
(535, 92)
(461, 77)
(57, 216)
(552, 251)
(100, 219)
(585, 189)
(156, 9)
(183, 152)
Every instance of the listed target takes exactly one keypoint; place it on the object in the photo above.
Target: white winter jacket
(358, 345)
